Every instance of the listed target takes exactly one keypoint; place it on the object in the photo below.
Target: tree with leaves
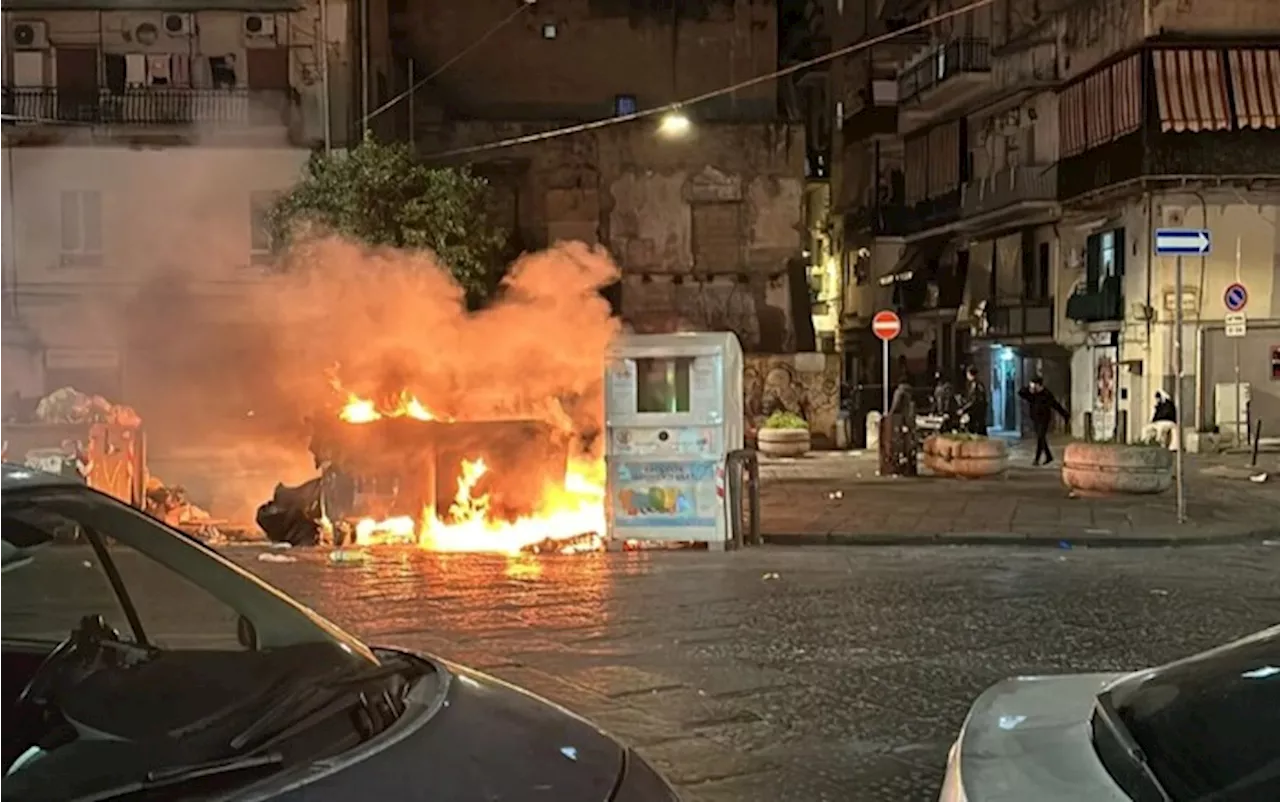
(382, 195)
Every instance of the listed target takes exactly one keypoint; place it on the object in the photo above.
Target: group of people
(967, 411)
(964, 411)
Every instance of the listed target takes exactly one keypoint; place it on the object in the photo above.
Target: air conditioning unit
(259, 26)
(179, 24)
(29, 35)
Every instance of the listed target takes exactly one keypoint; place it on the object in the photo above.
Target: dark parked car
(110, 693)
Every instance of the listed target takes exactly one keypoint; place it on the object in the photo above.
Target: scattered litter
(1258, 478)
(283, 544)
(769, 576)
(1062, 544)
(1159, 592)
(569, 752)
(836, 494)
(86, 564)
(1098, 532)
(1271, 542)
(347, 556)
(271, 557)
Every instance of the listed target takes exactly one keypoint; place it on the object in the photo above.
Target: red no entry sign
(886, 325)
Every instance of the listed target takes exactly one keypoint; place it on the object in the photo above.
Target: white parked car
(1205, 728)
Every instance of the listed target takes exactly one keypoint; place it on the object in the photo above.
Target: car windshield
(1205, 726)
(134, 657)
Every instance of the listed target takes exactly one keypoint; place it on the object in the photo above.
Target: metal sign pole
(1235, 347)
(884, 374)
(1177, 390)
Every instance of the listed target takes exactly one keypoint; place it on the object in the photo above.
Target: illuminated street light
(675, 124)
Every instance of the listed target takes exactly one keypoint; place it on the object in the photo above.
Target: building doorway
(1004, 391)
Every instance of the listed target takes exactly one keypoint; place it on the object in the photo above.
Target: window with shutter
(717, 237)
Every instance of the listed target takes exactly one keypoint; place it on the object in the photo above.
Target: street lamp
(674, 124)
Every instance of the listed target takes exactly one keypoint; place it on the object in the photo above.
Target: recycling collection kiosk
(673, 413)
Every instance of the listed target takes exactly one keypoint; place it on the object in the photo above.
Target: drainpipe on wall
(1199, 363)
(10, 241)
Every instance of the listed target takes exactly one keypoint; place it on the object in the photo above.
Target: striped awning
(1071, 125)
(1191, 90)
(1255, 78)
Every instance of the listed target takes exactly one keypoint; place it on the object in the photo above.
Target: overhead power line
(579, 128)
(484, 37)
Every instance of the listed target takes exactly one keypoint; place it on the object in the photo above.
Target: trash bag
(293, 515)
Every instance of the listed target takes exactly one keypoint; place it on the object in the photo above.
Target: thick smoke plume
(342, 318)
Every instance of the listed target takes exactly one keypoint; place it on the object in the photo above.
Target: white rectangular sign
(1236, 326)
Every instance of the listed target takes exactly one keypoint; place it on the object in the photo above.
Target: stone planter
(965, 458)
(783, 442)
(1106, 469)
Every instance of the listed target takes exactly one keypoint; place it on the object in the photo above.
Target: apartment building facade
(142, 147)
(1043, 144)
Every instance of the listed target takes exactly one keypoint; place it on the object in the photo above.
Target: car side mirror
(247, 634)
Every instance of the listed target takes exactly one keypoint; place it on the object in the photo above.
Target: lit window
(1107, 254)
(549, 30)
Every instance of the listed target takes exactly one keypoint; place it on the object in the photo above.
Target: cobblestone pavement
(786, 675)
(838, 498)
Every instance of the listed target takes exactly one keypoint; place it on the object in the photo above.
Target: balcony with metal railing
(1010, 194)
(1019, 321)
(150, 106)
(946, 77)
(1102, 303)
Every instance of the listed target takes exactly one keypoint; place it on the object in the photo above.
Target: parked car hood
(487, 740)
(1030, 738)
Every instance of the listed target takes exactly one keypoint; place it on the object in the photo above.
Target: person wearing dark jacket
(1042, 404)
(975, 403)
(1164, 422)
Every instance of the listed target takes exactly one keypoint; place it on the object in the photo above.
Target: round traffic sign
(886, 325)
(1236, 297)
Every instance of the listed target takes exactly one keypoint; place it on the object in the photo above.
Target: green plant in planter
(785, 420)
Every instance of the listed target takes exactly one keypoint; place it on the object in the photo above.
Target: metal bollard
(1257, 440)
(1088, 427)
(734, 464)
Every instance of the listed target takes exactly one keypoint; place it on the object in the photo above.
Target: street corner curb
(1038, 540)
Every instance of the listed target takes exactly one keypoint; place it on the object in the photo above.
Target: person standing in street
(1042, 404)
(975, 403)
(944, 402)
(1164, 422)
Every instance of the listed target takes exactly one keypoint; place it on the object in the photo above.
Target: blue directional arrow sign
(1182, 241)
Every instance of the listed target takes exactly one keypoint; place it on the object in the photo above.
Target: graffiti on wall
(807, 385)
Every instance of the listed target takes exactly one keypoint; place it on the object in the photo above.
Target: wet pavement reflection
(805, 674)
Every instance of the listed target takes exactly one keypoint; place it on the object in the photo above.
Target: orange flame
(572, 512)
(364, 410)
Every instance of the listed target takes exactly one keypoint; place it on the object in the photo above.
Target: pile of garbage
(171, 505)
(298, 516)
(69, 405)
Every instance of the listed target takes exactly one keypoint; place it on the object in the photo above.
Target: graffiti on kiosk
(662, 489)
(656, 501)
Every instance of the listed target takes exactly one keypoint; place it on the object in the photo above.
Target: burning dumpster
(407, 467)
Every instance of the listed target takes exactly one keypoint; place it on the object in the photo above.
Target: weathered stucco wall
(702, 226)
(655, 52)
(806, 384)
